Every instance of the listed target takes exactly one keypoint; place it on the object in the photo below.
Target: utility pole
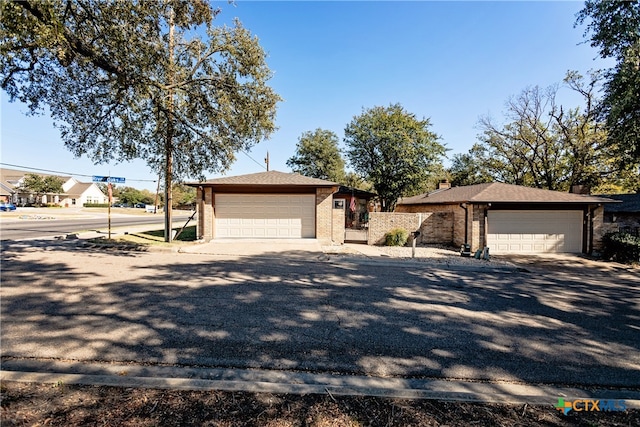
(266, 160)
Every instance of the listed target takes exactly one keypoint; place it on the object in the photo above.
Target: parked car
(139, 205)
(5, 206)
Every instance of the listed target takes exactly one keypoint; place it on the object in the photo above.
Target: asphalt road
(37, 228)
(294, 311)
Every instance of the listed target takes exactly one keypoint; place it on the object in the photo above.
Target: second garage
(531, 231)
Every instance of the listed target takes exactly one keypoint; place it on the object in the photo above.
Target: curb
(286, 382)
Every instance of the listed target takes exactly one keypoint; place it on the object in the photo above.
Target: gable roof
(630, 203)
(498, 192)
(79, 188)
(268, 178)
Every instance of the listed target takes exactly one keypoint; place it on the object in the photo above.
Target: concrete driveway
(579, 325)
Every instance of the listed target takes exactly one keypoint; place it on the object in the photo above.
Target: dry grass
(70, 405)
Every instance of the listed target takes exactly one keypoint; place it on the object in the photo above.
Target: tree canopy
(393, 150)
(545, 145)
(151, 79)
(614, 28)
(39, 185)
(318, 156)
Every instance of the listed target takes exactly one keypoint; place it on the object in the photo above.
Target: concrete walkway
(287, 382)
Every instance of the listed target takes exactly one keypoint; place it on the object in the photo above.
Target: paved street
(36, 223)
(298, 311)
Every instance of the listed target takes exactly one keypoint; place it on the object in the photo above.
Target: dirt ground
(70, 405)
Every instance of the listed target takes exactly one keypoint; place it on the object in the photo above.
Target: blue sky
(451, 62)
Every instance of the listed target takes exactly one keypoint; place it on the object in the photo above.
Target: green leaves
(614, 28)
(39, 185)
(104, 70)
(318, 156)
(393, 150)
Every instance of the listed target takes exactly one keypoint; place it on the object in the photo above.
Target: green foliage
(396, 237)
(119, 88)
(146, 79)
(318, 156)
(543, 144)
(466, 170)
(39, 185)
(614, 28)
(393, 150)
(131, 196)
(95, 205)
(353, 180)
(621, 247)
(183, 195)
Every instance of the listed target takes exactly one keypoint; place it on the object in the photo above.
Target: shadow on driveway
(285, 312)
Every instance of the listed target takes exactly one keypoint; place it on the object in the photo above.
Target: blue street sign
(112, 179)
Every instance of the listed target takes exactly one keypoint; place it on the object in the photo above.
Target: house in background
(75, 193)
(623, 216)
(509, 218)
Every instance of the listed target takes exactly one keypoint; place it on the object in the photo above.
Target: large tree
(318, 156)
(543, 144)
(143, 79)
(393, 150)
(614, 28)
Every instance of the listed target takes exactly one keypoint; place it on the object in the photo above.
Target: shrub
(396, 237)
(95, 205)
(621, 247)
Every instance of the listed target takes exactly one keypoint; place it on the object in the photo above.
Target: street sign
(112, 179)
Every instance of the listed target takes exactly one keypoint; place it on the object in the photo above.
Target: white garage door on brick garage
(269, 216)
(531, 232)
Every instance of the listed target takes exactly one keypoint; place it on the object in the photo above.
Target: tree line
(538, 143)
(158, 80)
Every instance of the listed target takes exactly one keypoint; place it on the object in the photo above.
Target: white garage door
(534, 231)
(271, 216)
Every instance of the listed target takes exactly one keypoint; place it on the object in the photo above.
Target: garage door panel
(534, 231)
(265, 216)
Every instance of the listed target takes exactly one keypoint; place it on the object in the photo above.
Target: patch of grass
(187, 235)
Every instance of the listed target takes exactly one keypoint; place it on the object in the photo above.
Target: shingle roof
(630, 203)
(269, 178)
(79, 188)
(497, 192)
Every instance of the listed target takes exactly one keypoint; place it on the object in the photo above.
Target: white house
(75, 193)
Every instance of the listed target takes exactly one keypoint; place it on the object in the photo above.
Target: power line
(256, 162)
(65, 173)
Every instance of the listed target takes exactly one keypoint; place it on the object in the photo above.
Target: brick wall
(206, 217)
(436, 227)
(477, 236)
(598, 228)
(324, 214)
(382, 222)
(337, 231)
(445, 224)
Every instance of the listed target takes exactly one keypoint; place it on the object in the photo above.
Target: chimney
(444, 184)
(580, 189)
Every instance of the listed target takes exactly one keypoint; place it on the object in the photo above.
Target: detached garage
(515, 219)
(289, 216)
(269, 205)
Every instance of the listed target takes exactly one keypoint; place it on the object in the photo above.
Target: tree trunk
(168, 148)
